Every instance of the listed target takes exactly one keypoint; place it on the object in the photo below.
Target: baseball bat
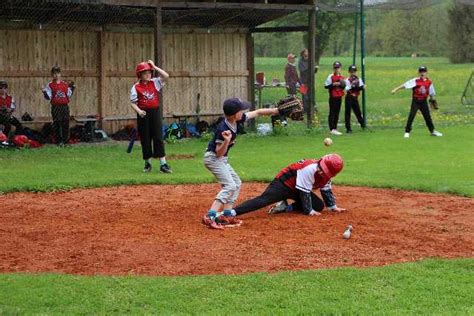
(133, 135)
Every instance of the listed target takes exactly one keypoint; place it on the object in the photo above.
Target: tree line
(444, 29)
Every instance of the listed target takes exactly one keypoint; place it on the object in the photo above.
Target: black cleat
(165, 168)
(147, 167)
(349, 131)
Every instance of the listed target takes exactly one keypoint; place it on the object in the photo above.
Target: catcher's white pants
(225, 175)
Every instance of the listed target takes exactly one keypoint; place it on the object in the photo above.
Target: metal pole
(159, 50)
(311, 64)
(362, 57)
(354, 52)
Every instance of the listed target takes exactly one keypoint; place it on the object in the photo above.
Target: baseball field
(84, 231)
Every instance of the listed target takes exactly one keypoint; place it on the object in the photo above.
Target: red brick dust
(157, 230)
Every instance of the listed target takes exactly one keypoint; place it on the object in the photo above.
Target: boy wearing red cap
(292, 81)
(422, 87)
(144, 98)
(216, 159)
(296, 182)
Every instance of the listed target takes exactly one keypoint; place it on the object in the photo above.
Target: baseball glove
(433, 104)
(70, 83)
(342, 83)
(291, 107)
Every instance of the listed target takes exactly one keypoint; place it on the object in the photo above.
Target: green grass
(382, 75)
(382, 158)
(432, 286)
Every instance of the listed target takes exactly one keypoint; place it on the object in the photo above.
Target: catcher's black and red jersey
(302, 176)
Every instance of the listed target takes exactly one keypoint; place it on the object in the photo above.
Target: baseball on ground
(327, 141)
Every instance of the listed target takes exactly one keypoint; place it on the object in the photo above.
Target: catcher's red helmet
(141, 67)
(331, 164)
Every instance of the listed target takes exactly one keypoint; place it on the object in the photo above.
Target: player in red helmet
(145, 101)
(296, 182)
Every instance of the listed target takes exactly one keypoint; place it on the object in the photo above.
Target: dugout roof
(197, 14)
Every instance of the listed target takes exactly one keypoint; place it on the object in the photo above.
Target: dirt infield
(156, 230)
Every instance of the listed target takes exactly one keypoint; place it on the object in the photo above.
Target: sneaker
(165, 168)
(349, 131)
(147, 167)
(211, 222)
(228, 221)
(280, 207)
(406, 135)
(335, 132)
(436, 133)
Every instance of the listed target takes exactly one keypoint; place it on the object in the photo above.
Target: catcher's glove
(433, 104)
(291, 107)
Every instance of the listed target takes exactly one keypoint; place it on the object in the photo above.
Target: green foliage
(461, 33)
(426, 287)
(422, 31)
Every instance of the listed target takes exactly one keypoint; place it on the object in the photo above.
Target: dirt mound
(156, 230)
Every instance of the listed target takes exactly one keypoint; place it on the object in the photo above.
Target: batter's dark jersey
(224, 125)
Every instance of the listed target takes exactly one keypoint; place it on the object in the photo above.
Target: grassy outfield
(382, 75)
(382, 158)
(432, 286)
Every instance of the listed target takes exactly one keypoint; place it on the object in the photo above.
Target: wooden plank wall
(214, 65)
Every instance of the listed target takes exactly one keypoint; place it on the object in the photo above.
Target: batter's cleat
(335, 132)
(436, 133)
(280, 207)
(211, 222)
(228, 221)
(165, 168)
(406, 135)
(147, 167)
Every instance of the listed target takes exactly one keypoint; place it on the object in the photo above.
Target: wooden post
(159, 49)
(103, 82)
(311, 64)
(251, 77)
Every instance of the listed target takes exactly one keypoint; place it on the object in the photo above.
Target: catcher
(422, 87)
(216, 156)
(296, 182)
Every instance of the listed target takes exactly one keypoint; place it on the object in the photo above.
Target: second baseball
(327, 141)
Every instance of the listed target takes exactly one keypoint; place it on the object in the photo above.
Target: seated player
(7, 107)
(296, 182)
